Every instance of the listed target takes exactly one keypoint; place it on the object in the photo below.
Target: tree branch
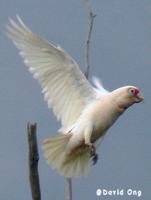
(88, 38)
(68, 188)
(33, 162)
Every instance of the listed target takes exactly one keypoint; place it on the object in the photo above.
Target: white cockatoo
(85, 112)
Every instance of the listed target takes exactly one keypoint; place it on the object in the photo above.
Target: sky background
(120, 55)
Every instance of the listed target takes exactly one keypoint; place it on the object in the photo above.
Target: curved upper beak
(139, 98)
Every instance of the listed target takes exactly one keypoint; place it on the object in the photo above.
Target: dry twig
(68, 188)
(33, 162)
(88, 38)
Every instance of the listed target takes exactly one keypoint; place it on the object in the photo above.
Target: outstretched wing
(64, 86)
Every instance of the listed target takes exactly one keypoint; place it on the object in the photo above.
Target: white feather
(99, 86)
(85, 116)
(48, 63)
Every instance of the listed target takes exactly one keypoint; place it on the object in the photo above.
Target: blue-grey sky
(120, 55)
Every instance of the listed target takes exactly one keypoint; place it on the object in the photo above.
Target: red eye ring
(136, 91)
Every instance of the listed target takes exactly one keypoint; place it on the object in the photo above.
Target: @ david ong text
(118, 192)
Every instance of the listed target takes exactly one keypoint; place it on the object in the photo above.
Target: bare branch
(68, 188)
(33, 162)
(88, 38)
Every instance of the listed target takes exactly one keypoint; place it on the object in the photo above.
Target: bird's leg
(92, 149)
(93, 154)
(87, 137)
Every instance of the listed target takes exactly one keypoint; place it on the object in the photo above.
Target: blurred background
(120, 55)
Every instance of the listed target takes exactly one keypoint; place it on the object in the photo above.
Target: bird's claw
(95, 159)
(93, 154)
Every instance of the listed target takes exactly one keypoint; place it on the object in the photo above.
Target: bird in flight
(85, 111)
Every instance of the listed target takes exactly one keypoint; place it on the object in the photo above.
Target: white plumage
(85, 112)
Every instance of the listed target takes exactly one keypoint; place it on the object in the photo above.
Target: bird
(86, 110)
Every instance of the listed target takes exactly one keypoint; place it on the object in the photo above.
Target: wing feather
(65, 87)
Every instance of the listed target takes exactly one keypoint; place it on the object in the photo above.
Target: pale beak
(139, 98)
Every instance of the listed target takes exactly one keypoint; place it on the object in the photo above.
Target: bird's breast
(102, 119)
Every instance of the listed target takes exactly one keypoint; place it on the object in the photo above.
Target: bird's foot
(93, 154)
(95, 159)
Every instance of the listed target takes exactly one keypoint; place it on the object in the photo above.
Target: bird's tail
(66, 164)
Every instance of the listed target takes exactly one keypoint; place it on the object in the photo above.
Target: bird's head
(127, 96)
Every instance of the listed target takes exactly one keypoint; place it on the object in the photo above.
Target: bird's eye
(131, 92)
